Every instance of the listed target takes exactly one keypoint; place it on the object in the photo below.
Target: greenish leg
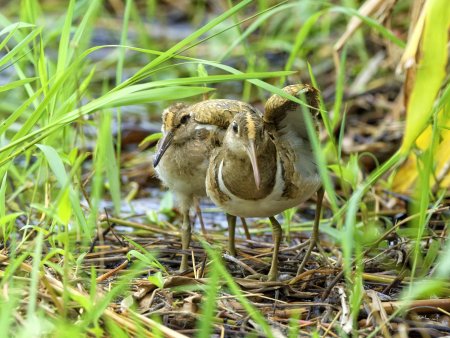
(200, 219)
(185, 240)
(276, 236)
(315, 231)
(244, 225)
(231, 232)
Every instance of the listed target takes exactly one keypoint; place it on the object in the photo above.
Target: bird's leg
(231, 233)
(244, 225)
(200, 218)
(315, 231)
(276, 236)
(185, 239)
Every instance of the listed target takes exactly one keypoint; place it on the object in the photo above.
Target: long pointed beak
(251, 152)
(164, 144)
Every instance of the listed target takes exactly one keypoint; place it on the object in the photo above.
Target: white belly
(183, 175)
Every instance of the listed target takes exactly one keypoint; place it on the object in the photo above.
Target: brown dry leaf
(190, 304)
(377, 311)
(256, 284)
(146, 286)
(408, 61)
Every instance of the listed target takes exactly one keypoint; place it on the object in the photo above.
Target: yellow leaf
(407, 174)
(430, 72)
(64, 208)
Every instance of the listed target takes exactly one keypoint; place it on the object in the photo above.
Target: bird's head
(246, 137)
(177, 127)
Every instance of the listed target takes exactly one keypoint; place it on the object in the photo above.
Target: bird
(189, 134)
(266, 164)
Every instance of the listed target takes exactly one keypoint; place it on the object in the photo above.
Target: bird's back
(286, 121)
(218, 113)
(286, 116)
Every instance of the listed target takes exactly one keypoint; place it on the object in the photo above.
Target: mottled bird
(265, 164)
(190, 133)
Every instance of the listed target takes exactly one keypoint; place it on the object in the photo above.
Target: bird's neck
(237, 172)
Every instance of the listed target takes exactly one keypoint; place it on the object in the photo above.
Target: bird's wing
(219, 112)
(286, 116)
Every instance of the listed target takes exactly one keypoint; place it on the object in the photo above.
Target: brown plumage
(190, 133)
(265, 164)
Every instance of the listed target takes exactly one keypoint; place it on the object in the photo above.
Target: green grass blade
(2, 197)
(110, 163)
(371, 23)
(83, 32)
(35, 275)
(300, 39)
(177, 47)
(261, 18)
(29, 10)
(11, 28)
(20, 47)
(55, 163)
(6, 124)
(157, 94)
(340, 82)
(119, 74)
(351, 208)
(235, 290)
(64, 39)
(209, 306)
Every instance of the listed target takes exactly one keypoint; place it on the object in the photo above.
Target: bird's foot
(262, 277)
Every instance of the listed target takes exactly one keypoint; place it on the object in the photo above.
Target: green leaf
(371, 23)
(157, 279)
(2, 196)
(19, 47)
(209, 305)
(107, 159)
(16, 84)
(156, 94)
(64, 39)
(166, 203)
(13, 27)
(148, 259)
(64, 207)
(183, 43)
(55, 163)
(252, 312)
(150, 139)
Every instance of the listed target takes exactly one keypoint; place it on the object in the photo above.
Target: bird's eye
(235, 127)
(184, 119)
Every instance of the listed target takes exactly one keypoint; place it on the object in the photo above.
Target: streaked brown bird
(190, 133)
(266, 165)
